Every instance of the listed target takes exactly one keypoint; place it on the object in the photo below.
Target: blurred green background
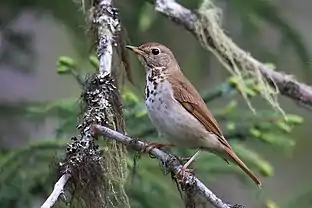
(39, 107)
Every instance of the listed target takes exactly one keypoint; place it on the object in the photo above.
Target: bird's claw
(181, 173)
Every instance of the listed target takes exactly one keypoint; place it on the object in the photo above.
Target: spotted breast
(168, 116)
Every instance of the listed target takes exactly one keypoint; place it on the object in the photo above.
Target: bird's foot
(153, 145)
(181, 173)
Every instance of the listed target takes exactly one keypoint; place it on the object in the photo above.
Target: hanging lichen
(238, 62)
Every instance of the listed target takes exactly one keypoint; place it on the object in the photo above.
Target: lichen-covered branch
(91, 177)
(286, 84)
(190, 183)
(107, 21)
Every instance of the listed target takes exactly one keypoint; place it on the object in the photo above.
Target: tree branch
(57, 191)
(190, 182)
(286, 84)
(101, 105)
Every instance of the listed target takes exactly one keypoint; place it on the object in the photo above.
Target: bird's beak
(135, 49)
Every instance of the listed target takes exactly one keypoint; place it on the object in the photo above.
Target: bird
(177, 110)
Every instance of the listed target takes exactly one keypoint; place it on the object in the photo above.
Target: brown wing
(190, 99)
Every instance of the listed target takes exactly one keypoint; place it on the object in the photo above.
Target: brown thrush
(177, 110)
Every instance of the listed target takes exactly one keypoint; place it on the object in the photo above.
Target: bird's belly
(175, 123)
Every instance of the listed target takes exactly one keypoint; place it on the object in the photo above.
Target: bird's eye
(155, 51)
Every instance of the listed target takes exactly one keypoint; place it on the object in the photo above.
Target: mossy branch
(96, 178)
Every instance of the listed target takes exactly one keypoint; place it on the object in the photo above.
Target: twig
(286, 84)
(57, 191)
(173, 165)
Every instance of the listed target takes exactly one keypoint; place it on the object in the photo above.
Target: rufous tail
(241, 164)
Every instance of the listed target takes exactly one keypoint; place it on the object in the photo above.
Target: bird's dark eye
(155, 51)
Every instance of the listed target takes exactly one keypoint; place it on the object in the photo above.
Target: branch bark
(189, 182)
(286, 84)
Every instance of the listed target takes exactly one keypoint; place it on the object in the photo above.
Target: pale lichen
(238, 62)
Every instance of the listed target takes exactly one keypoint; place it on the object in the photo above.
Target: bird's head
(154, 55)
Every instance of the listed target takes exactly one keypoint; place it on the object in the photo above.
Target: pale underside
(173, 121)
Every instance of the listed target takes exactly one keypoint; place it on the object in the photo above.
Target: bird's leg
(153, 145)
(184, 168)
